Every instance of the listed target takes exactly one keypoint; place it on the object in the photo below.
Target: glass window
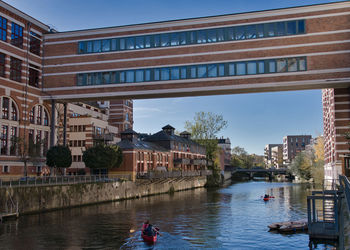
(156, 40)
(97, 78)
(2, 64)
(34, 43)
(301, 26)
(148, 40)
(114, 43)
(183, 74)
(241, 68)
(13, 111)
(251, 67)
(192, 37)
(291, 28)
(114, 77)
(165, 40)
(97, 46)
(201, 36)
(4, 140)
(5, 107)
(193, 71)
(3, 29)
(202, 71)
(39, 113)
(212, 70)
(33, 76)
(140, 42)
(122, 44)
(220, 35)
(17, 35)
(89, 47)
(89, 80)
(175, 73)
(182, 38)
(250, 31)
(292, 64)
(270, 29)
(106, 77)
(165, 74)
(81, 81)
(302, 64)
(16, 69)
(175, 39)
(147, 75)
(130, 76)
(261, 67)
(280, 29)
(139, 75)
(106, 45)
(230, 33)
(281, 65)
(156, 74)
(231, 69)
(130, 43)
(272, 66)
(240, 34)
(82, 47)
(221, 68)
(122, 76)
(260, 30)
(211, 35)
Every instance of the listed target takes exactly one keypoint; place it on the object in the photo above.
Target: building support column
(53, 123)
(64, 124)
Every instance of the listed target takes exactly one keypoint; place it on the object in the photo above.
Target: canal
(233, 217)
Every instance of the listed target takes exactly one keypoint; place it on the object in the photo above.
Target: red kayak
(268, 198)
(149, 239)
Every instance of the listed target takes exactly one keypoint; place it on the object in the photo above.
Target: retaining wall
(43, 198)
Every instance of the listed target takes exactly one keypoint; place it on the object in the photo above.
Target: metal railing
(172, 174)
(60, 180)
(345, 186)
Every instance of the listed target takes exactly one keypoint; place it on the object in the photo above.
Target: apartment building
(277, 156)
(225, 154)
(268, 154)
(293, 144)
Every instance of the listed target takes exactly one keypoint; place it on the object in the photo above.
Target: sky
(254, 120)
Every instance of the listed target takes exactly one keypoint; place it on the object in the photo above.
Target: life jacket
(149, 230)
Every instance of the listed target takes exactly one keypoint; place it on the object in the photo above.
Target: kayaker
(148, 229)
(267, 196)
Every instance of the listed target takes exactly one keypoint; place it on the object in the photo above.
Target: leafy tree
(103, 156)
(204, 130)
(59, 157)
(241, 158)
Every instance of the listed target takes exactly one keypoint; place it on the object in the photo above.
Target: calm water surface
(234, 217)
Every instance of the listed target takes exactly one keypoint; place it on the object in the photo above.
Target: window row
(194, 71)
(77, 143)
(16, 70)
(243, 32)
(77, 128)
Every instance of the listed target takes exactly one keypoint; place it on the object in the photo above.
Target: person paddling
(148, 229)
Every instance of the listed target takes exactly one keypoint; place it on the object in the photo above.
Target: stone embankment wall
(44, 198)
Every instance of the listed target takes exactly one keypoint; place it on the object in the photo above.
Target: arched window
(39, 115)
(46, 118)
(31, 115)
(9, 110)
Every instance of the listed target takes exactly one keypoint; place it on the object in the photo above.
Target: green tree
(103, 156)
(204, 129)
(59, 157)
(241, 158)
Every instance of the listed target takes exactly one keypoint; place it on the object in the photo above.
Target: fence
(59, 180)
(172, 174)
(345, 185)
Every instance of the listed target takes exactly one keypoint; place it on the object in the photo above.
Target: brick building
(293, 144)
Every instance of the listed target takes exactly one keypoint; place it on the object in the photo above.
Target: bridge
(270, 172)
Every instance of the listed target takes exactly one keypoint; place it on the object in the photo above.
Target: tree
(241, 158)
(204, 130)
(28, 151)
(103, 156)
(59, 157)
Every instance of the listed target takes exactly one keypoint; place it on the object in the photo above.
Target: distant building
(225, 155)
(293, 144)
(87, 125)
(268, 153)
(163, 149)
(277, 156)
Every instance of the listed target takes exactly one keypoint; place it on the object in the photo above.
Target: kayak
(268, 198)
(149, 239)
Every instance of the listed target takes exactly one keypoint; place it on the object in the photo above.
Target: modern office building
(293, 144)
(268, 153)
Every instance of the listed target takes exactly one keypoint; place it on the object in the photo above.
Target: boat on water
(289, 226)
(267, 198)
(149, 239)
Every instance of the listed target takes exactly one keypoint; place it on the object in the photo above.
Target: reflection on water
(234, 217)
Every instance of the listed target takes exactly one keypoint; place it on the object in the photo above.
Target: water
(234, 217)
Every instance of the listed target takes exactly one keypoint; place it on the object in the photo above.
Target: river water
(233, 217)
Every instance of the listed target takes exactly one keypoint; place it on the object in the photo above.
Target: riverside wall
(33, 199)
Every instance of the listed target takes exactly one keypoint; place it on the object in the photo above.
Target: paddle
(157, 230)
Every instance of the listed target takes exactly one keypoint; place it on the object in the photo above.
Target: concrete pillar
(53, 123)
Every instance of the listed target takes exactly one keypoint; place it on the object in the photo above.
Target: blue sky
(253, 119)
